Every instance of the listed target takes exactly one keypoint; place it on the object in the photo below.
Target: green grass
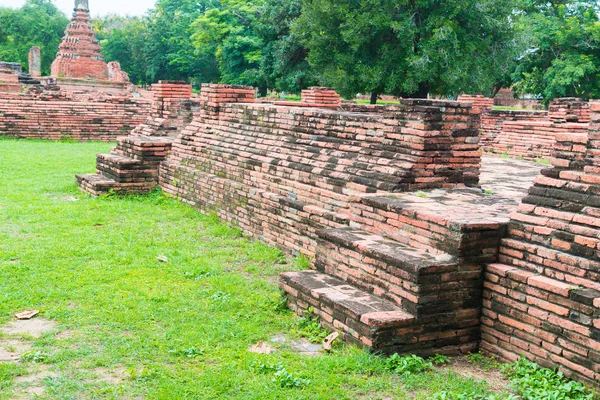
(507, 108)
(178, 329)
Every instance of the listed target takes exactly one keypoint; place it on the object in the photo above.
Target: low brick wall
(23, 116)
(528, 134)
(281, 173)
(543, 299)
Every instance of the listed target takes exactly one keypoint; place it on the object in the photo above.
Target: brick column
(35, 62)
(321, 97)
(569, 109)
(167, 97)
(479, 102)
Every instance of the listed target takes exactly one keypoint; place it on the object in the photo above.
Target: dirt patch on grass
(114, 376)
(12, 349)
(35, 328)
(494, 378)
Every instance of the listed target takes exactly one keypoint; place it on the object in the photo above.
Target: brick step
(361, 317)
(420, 282)
(548, 320)
(125, 169)
(465, 223)
(96, 185)
(376, 323)
(147, 149)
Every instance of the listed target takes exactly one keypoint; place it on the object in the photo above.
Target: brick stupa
(79, 53)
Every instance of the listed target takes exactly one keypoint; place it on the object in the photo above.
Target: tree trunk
(374, 96)
(422, 92)
(263, 91)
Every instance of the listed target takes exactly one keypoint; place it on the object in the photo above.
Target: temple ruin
(409, 254)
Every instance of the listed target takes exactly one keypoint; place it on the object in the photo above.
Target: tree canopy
(37, 23)
(410, 48)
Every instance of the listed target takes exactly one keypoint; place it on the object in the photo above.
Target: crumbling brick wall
(528, 134)
(283, 172)
(23, 116)
(543, 299)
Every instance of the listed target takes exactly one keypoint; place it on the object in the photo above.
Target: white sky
(97, 7)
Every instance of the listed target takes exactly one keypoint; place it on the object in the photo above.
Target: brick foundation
(543, 299)
(529, 134)
(24, 116)
(132, 166)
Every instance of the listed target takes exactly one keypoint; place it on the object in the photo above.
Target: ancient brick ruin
(132, 166)
(525, 133)
(543, 298)
(410, 256)
(79, 53)
(9, 80)
(35, 62)
(52, 116)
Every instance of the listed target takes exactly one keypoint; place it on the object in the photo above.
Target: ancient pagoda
(79, 53)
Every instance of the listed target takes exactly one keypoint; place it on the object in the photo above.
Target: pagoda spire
(79, 52)
(82, 5)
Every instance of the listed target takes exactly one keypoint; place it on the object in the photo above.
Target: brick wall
(532, 134)
(282, 173)
(543, 299)
(171, 110)
(24, 116)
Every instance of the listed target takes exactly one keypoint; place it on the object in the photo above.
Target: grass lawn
(132, 326)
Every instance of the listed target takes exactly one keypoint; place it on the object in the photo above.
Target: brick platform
(132, 166)
(531, 134)
(34, 117)
(543, 300)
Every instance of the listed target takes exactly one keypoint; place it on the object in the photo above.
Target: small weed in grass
(543, 161)
(487, 363)
(408, 365)
(439, 359)
(310, 328)
(281, 375)
(533, 382)
(303, 262)
(35, 356)
(191, 352)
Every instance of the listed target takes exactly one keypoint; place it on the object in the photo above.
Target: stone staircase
(406, 274)
(131, 167)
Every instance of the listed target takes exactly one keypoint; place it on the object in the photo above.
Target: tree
(408, 47)
(563, 55)
(284, 64)
(227, 32)
(37, 23)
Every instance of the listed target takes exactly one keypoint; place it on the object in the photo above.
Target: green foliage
(226, 32)
(533, 382)
(408, 365)
(281, 376)
(310, 328)
(487, 363)
(562, 58)
(408, 48)
(283, 65)
(439, 359)
(36, 23)
(303, 262)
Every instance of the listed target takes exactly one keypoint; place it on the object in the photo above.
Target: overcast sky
(97, 7)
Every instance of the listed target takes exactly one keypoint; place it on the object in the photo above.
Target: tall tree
(408, 47)
(284, 64)
(563, 54)
(227, 32)
(37, 23)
